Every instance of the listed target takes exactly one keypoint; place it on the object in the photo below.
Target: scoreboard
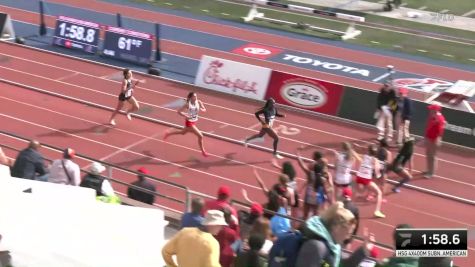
(76, 34)
(128, 45)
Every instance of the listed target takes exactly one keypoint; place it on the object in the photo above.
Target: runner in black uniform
(126, 94)
(270, 112)
(404, 156)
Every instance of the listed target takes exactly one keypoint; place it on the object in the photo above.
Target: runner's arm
(202, 106)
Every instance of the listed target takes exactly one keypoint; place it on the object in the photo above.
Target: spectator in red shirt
(226, 238)
(433, 136)
(222, 202)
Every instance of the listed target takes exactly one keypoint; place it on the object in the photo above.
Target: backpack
(285, 250)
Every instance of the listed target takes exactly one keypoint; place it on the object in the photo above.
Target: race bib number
(128, 93)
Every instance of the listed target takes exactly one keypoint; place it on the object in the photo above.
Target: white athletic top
(193, 110)
(366, 167)
(129, 90)
(343, 169)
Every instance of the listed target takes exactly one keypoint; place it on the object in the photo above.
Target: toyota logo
(257, 51)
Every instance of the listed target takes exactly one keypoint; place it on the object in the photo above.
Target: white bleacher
(63, 226)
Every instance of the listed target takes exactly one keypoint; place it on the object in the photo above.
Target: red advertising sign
(257, 51)
(304, 93)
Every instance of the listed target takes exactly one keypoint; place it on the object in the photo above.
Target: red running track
(65, 123)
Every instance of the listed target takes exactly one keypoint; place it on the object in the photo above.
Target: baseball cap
(347, 192)
(257, 208)
(97, 168)
(224, 190)
(435, 106)
(214, 217)
(69, 153)
(142, 170)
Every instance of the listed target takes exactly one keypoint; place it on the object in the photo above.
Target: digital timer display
(76, 34)
(128, 45)
(431, 239)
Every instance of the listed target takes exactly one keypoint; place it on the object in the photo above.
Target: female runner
(397, 166)
(270, 112)
(192, 108)
(126, 94)
(368, 167)
(343, 166)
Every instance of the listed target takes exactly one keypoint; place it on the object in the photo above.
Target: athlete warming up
(126, 94)
(270, 112)
(190, 111)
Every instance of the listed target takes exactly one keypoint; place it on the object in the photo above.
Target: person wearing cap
(65, 171)
(385, 106)
(29, 164)
(433, 136)
(222, 202)
(135, 193)
(94, 180)
(403, 116)
(196, 246)
(193, 218)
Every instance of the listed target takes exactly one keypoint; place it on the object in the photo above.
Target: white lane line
(67, 76)
(469, 13)
(132, 152)
(210, 104)
(144, 137)
(422, 50)
(381, 77)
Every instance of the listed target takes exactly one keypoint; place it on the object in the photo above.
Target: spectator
(4, 160)
(194, 246)
(246, 220)
(315, 188)
(433, 137)
(288, 169)
(398, 165)
(262, 226)
(65, 171)
(280, 225)
(96, 181)
(400, 261)
(193, 218)
(222, 202)
(278, 196)
(226, 238)
(325, 234)
(403, 117)
(251, 257)
(139, 195)
(30, 164)
(350, 205)
(435, 262)
(385, 105)
(5, 257)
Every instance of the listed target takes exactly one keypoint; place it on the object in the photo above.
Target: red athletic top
(435, 126)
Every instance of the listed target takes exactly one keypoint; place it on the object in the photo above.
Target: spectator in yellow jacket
(194, 246)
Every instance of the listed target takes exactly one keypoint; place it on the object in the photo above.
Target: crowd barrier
(320, 96)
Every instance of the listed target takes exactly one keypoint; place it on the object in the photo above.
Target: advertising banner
(233, 77)
(304, 93)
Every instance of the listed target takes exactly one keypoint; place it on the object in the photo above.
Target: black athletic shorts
(123, 98)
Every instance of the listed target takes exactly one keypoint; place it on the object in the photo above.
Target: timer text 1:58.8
(77, 32)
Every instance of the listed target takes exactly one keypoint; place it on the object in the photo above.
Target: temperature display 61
(128, 45)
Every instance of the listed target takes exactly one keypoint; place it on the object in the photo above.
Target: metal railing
(188, 193)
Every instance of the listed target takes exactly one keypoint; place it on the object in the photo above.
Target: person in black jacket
(403, 116)
(94, 180)
(270, 112)
(386, 105)
(139, 195)
(29, 164)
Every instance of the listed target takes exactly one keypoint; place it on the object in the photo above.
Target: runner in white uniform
(126, 94)
(344, 162)
(192, 107)
(370, 165)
